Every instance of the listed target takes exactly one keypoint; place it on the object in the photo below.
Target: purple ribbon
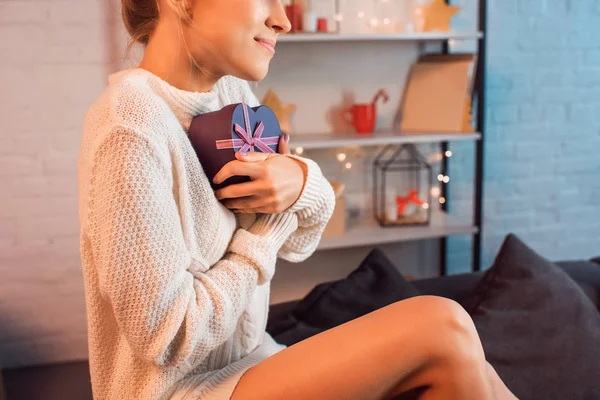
(248, 141)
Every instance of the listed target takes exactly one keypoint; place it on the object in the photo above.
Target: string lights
(436, 191)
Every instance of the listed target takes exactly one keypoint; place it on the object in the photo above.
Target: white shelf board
(368, 232)
(419, 36)
(329, 140)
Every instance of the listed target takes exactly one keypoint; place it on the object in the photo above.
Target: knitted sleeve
(314, 208)
(167, 311)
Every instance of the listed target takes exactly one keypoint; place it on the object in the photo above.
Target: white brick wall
(52, 65)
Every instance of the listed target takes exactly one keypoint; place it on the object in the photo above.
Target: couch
(71, 380)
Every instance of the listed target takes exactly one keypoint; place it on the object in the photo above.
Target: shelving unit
(367, 232)
(329, 140)
(335, 37)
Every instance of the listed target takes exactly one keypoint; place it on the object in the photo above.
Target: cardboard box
(337, 223)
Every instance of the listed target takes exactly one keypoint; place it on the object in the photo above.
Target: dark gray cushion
(538, 329)
(2, 393)
(376, 283)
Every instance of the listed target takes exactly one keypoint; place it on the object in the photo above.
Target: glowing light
(348, 165)
(386, 21)
(448, 154)
(440, 177)
(442, 200)
(435, 191)
(446, 179)
(425, 206)
(341, 157)
(299, 150)
(361, 14)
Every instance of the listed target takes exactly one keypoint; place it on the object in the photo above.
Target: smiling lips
(267, 44)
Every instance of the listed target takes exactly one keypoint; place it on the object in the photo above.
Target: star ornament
(282, 111)
(437, 16)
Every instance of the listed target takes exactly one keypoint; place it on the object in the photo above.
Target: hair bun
(140, 17)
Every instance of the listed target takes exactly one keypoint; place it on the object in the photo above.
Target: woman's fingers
(284, 144)
(239, 168)
(251, 156)
(247, 203)
(244, 189)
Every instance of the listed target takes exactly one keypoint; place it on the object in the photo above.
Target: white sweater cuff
(262, 241)
(315, 189)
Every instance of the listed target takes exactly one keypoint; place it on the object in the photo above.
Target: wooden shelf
(367, 232)
(335, 37)
(329, 140)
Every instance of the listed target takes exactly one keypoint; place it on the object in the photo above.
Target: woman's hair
(140, 16)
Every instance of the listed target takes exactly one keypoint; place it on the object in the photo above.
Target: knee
(448, 314)
(454, 333)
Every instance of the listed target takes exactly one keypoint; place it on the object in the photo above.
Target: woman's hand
(276, 181)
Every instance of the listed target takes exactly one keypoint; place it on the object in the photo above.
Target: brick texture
(541, 164)
(50, 51)
(543, 125)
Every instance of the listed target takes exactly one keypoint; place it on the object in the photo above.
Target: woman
(177, 276)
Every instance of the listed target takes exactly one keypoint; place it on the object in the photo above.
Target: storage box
(337, 223)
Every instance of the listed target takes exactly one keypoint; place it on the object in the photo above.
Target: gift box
(218, 135)
(337, 223)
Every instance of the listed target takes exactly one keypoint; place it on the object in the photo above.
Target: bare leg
(421, 342)
(499, 388)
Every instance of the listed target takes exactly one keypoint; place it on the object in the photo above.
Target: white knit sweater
(177, 290)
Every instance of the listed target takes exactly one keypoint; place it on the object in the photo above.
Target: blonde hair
(141, 16)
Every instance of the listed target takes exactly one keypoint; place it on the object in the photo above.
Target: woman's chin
(254, 72)
(258, 74)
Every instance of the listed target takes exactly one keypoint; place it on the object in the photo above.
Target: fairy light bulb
(341, 157)
(348, 165)
(448, 154)
(299, 150)
(435, 192)
(425, 206)
(386, 21)
(442, 200)
(446, 179)
(440, 177)
(361, 14)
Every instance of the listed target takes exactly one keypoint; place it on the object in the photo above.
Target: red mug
(364, 116)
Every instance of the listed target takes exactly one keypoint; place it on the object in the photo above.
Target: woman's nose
(278, 20)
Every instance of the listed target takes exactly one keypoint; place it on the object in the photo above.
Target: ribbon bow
(248, 140)
(412, 198)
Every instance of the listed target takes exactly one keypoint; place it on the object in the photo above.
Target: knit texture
(177, 289)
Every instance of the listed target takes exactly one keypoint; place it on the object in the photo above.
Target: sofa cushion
(587, 276)
(376, 283)
(538, 328)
